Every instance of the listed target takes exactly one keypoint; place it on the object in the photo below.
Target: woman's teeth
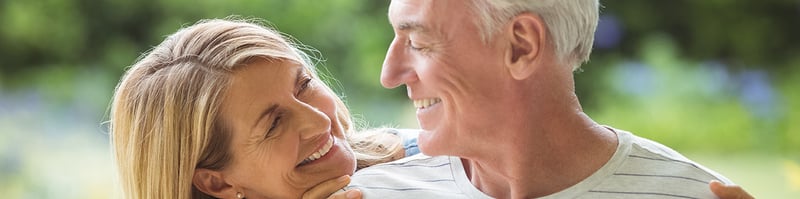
(322, 151)
(425, 103)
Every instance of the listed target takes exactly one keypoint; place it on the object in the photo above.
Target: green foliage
(667, 105)
(789, 138)
(47, 45)
(746, 33)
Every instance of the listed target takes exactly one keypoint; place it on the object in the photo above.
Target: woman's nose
(312, 122)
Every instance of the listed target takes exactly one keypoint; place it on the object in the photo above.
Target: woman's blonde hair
(165, 111)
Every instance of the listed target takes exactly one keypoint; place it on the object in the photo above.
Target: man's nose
(397, 66)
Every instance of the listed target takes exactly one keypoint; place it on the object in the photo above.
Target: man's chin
(426, 126)
(429, 144)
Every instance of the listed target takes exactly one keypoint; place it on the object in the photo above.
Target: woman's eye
(274, 125)
(303, 86)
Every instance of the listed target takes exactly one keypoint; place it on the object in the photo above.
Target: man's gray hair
(571, 23)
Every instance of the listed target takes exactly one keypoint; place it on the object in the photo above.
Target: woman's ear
(526, 34)
(212, 183)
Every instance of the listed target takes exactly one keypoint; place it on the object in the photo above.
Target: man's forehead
(412, 15)
(402, 10)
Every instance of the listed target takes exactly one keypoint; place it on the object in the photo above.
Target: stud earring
(239, 195)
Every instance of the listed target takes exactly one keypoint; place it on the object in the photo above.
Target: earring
(239, 195)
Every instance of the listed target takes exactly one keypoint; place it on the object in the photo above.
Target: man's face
(453, 78)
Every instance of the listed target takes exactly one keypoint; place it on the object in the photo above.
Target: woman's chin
(348, 158)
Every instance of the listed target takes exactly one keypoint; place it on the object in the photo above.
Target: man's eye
(413, 47)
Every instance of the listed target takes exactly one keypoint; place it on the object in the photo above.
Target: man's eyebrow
(413, 26)
(265, 113)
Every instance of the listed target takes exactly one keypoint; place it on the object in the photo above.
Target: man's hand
(328, 189)
(728, 191)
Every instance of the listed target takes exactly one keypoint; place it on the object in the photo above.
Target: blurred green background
(716, 80)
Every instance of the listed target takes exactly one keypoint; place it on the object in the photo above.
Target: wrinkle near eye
(254, 148)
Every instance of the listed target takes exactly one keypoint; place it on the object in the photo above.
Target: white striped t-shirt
(640, 168)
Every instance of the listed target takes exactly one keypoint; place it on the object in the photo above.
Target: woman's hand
(349, 194)
(328, 189)
(728, 191)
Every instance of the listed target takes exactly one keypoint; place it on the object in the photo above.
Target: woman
(230, 109)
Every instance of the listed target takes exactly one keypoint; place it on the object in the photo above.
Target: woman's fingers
(728, 191)
(349, 194)
(325, 189)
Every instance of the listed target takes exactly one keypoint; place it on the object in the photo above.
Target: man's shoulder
(419, 164)
(652, 169)
(653, 156)
(410, 177)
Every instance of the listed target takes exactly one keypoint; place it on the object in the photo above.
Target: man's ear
(212, 183)
(526, 34)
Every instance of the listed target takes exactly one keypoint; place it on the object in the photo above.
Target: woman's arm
(724, 191)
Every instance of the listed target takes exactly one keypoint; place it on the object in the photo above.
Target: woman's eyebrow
(302, 75)
(269, 111)
(299, 73)
(272, 108)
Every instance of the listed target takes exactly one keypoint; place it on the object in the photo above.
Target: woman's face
(286, 137)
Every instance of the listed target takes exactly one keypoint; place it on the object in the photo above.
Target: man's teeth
(324, 150)
(425, 103)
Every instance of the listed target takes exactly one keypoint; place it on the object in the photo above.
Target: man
(493, 86)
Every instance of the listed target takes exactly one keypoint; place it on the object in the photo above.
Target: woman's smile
(321, 151)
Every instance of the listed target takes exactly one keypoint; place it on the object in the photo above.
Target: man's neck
(554, 147)
(543, 168)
